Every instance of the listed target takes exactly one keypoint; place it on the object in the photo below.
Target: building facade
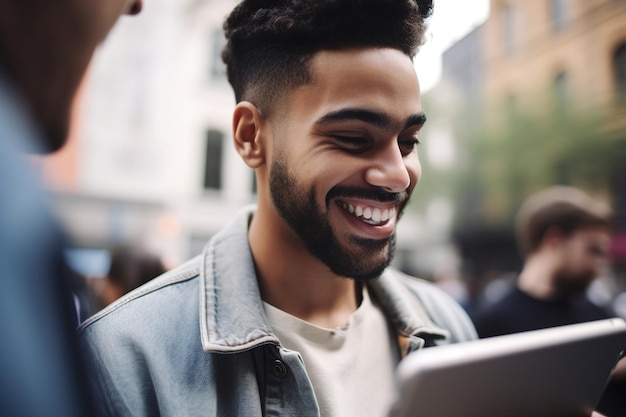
(575, 48)
(546, 55)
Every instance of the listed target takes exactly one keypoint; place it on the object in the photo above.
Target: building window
(561, 90)
(217, 67)
(509, 27)
(213, 160)
(559, 14)
(619, 68)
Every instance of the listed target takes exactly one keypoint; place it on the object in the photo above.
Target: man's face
(584, 255)
(48, 46)
(344, 161)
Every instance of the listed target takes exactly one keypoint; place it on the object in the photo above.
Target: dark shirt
(518, 312)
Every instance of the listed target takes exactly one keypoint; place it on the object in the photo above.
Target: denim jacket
(195, 341)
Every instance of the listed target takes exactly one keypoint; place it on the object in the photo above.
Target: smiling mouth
(374, 216)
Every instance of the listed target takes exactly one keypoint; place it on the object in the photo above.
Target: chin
(373, 266)
(370, 276)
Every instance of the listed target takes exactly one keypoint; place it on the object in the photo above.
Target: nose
(388, 170)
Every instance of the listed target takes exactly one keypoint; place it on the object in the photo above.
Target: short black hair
(269, 42)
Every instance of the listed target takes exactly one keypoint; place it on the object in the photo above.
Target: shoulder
(592, 310)
(508, 298)
(502, 315)
(172, 292)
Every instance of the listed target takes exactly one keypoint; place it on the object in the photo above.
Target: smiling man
(292, 308)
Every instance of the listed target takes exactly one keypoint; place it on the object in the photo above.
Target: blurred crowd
(129, 268)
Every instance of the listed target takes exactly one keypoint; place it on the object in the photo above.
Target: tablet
(556, 372)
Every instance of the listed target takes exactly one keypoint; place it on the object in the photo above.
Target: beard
(572, 283)
(361, 259)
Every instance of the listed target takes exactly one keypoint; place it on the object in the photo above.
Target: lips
(371, 215)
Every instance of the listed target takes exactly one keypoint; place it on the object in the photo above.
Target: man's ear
(247, 134)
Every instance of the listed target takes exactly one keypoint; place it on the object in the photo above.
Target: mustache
(373, 193)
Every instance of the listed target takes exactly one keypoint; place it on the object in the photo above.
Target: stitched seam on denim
(175, 279)
(209, 256)
(204, 327)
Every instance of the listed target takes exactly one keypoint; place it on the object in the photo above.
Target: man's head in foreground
(45, 48)
(328, 115)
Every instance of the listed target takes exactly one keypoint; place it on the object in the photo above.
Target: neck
(537, 278)
(293, 280)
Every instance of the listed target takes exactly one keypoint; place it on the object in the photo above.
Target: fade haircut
(564, 208)
(269, 42)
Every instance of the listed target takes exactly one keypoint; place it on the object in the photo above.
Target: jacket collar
(232, 317)
(231, 310)
(403, 308)
(406, 313)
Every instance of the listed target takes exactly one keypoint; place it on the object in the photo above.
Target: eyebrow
(377, 119)
(417, 119)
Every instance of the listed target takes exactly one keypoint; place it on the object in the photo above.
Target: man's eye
(408, 145)
(352, 142)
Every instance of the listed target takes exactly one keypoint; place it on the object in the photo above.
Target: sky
(451, 20)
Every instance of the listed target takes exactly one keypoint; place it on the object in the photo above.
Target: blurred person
(565, 236)
(45, 47)
(85, 298)
(291, 309)
(130, 268)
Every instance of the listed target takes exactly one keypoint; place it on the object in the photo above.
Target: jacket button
(279, 369)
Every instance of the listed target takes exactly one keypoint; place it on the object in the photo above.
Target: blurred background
(520, 94)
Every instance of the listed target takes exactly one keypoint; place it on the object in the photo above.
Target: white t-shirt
(351, 368)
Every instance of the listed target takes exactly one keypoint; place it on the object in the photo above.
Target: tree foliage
(499, 165)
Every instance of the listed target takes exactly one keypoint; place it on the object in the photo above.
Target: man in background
(45, 47)
(565, 236)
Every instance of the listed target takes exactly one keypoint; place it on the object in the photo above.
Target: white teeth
(373, 216)
(376, 215)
